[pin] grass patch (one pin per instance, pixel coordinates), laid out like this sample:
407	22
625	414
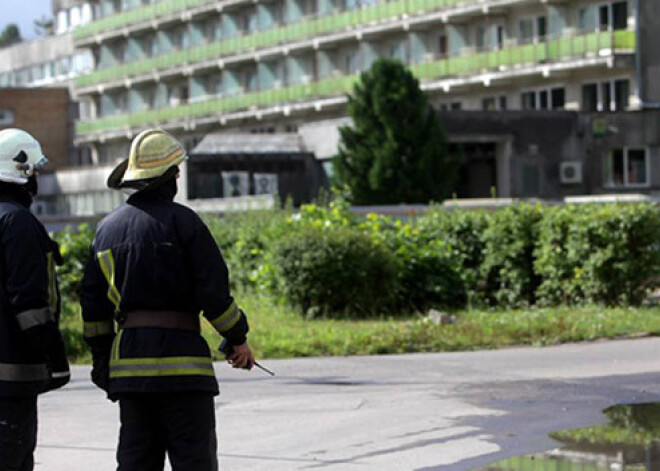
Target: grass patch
278	332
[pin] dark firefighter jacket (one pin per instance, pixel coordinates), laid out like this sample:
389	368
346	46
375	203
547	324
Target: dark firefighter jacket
29	298
152	254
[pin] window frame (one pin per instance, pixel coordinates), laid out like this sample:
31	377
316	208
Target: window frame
607	168
611	85
538	98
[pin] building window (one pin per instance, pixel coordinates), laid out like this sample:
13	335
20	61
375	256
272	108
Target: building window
494	103
612	95
351	63
613	16
454	106
489	104
443	47
558	98
500	36
620	15
251	81
541	27
526	31
549	99
532	29
621	94
62	23
178	95
86	15
6	117
481	38
627	167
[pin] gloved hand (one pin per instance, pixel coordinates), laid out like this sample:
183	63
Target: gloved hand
58	378
58	366
101	373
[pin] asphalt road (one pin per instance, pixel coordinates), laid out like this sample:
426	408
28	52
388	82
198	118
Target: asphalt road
451	411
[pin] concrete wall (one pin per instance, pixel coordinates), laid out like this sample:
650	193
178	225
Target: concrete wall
44	113
35	52
648	51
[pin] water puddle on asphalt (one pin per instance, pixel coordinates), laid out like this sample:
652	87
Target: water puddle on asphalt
630	441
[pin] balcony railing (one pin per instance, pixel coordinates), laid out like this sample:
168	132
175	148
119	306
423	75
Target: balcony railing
304	29
136	16
562	49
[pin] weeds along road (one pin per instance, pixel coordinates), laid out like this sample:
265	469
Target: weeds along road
449	411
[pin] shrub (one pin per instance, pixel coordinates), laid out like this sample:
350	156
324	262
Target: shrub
557	262
75	245
508	265
245	240
429	272
615	250
463	231
336	272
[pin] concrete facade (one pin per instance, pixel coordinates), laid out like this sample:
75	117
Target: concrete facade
648	58
532	150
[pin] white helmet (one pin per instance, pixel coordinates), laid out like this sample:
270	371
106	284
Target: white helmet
20	156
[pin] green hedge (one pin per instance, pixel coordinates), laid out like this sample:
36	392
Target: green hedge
326	261
607	254
340	271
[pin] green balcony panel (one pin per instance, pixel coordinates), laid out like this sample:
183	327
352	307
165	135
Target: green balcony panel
135	16
624	40
554	50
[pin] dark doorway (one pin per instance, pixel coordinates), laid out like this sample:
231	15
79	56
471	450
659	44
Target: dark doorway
478	174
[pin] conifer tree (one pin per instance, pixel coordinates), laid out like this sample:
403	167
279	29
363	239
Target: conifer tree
395	151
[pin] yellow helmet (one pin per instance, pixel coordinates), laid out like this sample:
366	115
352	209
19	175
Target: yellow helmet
153	153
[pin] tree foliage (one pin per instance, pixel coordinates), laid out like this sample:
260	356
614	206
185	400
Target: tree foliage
396	149
10	35
44	26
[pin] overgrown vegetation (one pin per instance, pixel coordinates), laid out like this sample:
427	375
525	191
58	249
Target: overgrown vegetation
514	276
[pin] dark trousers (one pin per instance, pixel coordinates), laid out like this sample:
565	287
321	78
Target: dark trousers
181	425
18	433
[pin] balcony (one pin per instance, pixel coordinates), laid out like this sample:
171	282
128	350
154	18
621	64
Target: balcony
556	51
302	30
136	16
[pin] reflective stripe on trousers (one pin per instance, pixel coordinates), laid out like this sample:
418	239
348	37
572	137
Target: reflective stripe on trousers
34	317
95	329
166	366
16	372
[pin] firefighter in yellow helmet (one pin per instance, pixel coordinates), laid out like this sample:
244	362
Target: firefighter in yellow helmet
32	358
153	268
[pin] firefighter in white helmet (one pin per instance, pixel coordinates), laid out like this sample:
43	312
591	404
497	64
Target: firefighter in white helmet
153	268
32	358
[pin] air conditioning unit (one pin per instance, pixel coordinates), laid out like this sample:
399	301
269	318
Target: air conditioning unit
265	184
570	172
235	184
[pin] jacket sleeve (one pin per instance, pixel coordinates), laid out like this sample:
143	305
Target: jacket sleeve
97	310
212	287
30	286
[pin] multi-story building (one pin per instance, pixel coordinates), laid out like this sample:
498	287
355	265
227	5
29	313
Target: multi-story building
544	97
51	61
36	85
205	66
